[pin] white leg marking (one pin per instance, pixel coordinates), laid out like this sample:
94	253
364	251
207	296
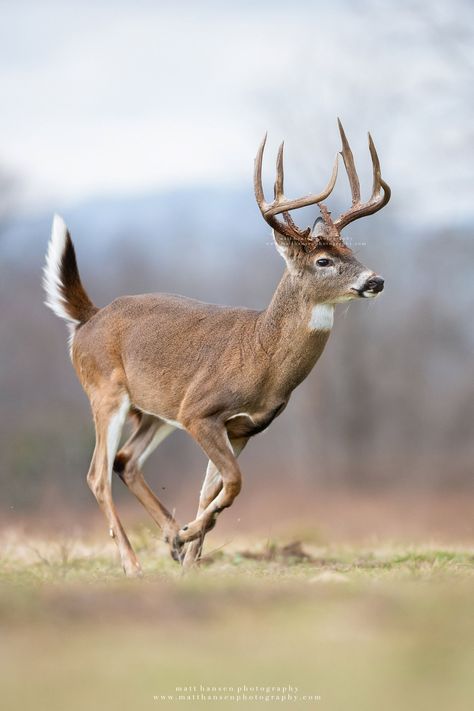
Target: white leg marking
114	431
212	475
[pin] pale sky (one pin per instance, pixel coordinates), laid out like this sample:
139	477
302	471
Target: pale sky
115	97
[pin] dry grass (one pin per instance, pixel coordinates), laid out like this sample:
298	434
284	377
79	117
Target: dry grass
364	627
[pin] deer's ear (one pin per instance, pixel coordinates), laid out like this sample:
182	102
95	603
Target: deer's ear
280	240
286	248
318	227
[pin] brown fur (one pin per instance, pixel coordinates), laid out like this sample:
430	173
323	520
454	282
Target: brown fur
78	304
221	373
200	365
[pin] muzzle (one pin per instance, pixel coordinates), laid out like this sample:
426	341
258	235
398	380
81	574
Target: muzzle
374	285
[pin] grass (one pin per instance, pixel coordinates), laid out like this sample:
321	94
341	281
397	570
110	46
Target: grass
355	627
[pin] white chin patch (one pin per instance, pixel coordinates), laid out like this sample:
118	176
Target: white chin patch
369	294
346	297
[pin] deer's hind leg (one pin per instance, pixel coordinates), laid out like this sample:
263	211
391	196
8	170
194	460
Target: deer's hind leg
150	432
109	416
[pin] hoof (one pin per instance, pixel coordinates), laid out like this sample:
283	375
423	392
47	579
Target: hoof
176	549
132	569
170	531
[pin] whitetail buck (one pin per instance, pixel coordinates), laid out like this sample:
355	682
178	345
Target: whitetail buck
220	373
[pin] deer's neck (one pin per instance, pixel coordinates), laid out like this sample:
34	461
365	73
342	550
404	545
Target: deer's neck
293	331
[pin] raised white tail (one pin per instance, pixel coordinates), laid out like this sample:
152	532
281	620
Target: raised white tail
65	294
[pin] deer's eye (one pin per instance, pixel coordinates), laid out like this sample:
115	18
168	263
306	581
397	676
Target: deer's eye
323	262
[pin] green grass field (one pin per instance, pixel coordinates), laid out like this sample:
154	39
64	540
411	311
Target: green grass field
262	623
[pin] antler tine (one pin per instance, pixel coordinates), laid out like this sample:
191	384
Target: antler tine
349	164
257	176
288	229
378	181
278	189
376	201
375	168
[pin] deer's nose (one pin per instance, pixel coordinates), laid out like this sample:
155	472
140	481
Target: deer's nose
374	284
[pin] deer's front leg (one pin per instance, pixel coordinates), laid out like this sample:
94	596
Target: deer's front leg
212	436
210	489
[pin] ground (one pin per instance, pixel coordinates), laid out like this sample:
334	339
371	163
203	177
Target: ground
365	626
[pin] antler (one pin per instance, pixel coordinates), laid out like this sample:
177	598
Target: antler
376	201
281	205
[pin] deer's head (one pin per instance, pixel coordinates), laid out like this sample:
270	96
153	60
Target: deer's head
328	269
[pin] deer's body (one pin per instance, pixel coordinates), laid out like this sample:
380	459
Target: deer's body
161	349
221	373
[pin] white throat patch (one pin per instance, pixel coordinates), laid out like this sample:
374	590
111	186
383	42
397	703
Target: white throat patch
322	317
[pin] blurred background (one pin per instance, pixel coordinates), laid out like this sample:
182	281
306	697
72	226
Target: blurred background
139	123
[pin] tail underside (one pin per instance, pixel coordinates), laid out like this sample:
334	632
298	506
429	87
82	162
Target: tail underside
65	294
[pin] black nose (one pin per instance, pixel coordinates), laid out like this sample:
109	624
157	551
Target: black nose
375	284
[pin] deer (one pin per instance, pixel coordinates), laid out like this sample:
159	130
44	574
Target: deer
221	373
